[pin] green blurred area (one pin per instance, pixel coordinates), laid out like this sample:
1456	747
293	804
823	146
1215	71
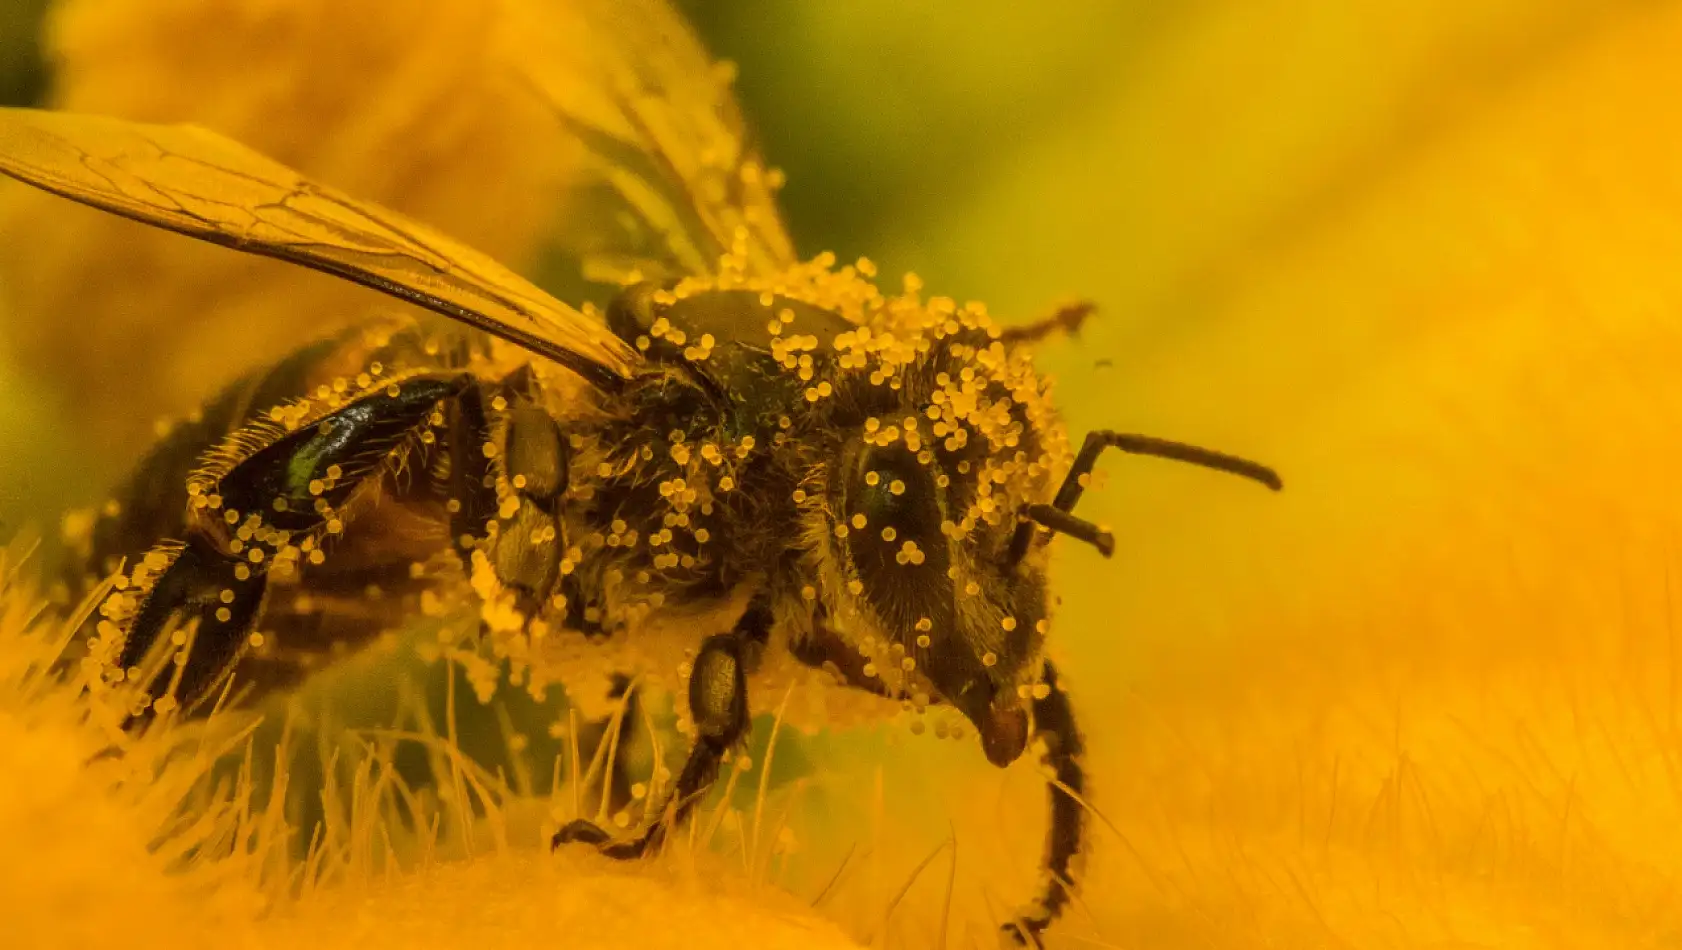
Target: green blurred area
22	74
885	113
35	456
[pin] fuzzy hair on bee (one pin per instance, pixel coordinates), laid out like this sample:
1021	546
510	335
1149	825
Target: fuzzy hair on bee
748	468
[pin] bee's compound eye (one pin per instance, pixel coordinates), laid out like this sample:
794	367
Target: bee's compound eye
889	515
892	498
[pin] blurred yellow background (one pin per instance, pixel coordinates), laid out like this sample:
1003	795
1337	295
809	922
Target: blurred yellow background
1420	256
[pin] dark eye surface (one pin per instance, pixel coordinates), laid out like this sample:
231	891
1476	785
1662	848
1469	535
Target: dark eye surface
893	514
892	488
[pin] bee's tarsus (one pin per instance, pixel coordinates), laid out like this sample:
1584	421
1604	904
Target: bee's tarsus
579	831
584	831
718	705
200	584
1024	933
1054	721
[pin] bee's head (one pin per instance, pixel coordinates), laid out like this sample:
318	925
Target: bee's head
943	611
921	503
949	478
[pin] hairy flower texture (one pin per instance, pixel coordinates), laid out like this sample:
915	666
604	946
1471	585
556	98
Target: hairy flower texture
413	105
1422	258
91	846
151	846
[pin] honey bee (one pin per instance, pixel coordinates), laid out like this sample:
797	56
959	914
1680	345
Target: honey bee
862	482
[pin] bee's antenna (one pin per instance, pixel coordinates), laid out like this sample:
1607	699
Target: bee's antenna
1062	522
1056	516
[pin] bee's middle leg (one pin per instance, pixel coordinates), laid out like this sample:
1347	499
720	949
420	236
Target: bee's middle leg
718	705
525	552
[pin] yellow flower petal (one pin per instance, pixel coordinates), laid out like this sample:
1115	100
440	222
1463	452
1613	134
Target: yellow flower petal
99	849
410	105
1424	697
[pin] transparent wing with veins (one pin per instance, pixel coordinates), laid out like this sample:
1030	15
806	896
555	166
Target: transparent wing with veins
191	181
669	147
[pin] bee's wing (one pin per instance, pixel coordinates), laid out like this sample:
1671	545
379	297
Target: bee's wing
667	144
192	181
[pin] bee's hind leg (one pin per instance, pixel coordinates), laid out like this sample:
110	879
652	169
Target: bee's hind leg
718	704
197	583
276	500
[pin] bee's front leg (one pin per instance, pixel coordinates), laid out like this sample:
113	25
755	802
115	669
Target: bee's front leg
1054	723
718	704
